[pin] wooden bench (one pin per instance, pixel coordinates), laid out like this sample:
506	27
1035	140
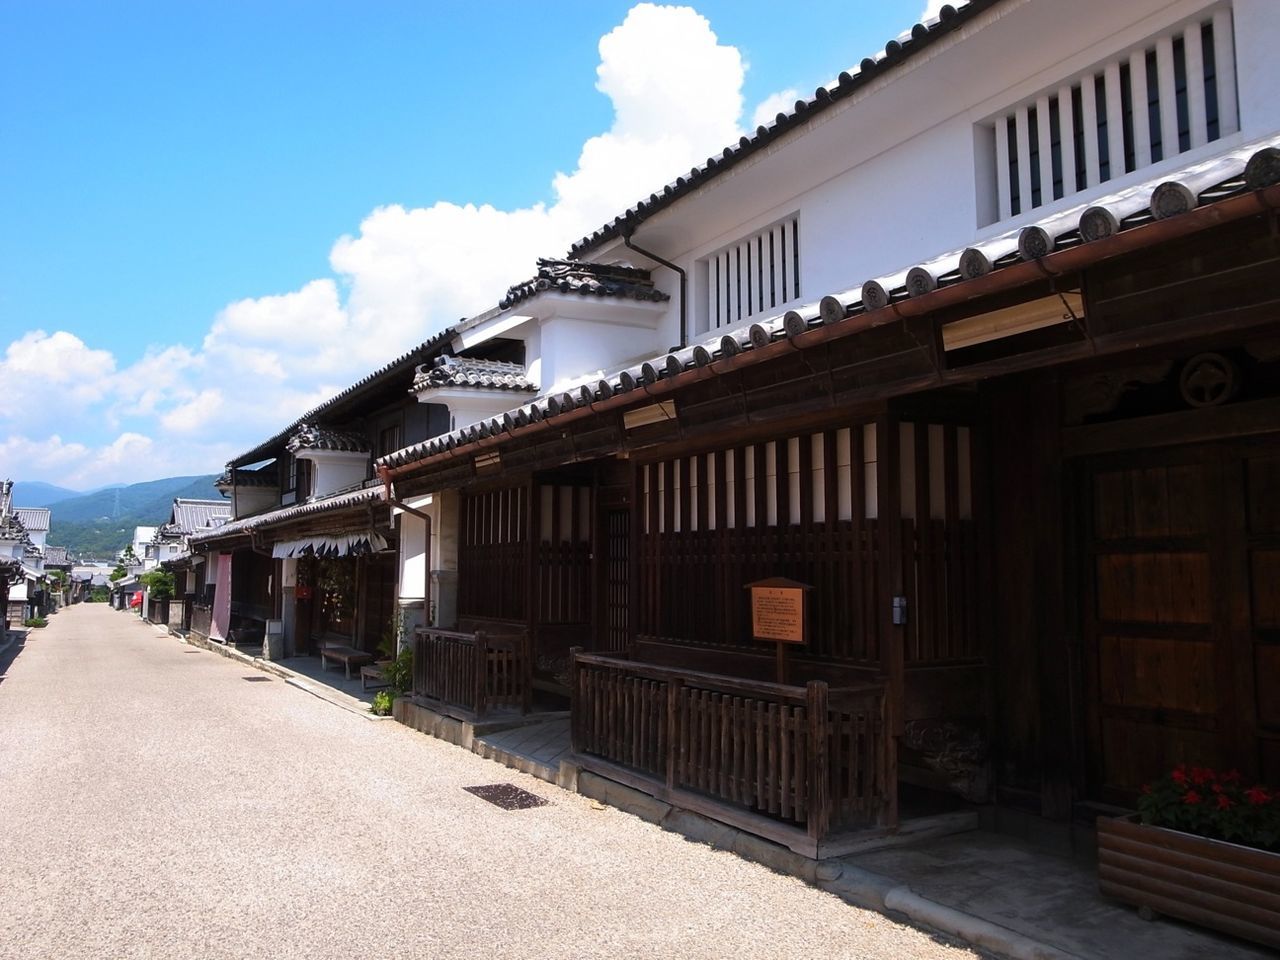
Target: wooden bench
371	676
347	656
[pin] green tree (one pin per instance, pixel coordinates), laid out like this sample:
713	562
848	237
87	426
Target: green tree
159	584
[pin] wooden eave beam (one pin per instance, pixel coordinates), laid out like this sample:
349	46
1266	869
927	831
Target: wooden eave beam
1059	263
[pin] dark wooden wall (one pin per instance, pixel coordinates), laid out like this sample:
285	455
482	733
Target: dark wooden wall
1032	662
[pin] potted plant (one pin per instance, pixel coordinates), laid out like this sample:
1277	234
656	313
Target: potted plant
1204	847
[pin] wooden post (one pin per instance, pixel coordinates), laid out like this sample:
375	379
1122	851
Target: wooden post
482	672
675	687
782	662
893	635
525	647
575	702
816	706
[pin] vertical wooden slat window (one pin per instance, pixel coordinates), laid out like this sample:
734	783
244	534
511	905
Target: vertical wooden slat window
756	275
806	507
1176	92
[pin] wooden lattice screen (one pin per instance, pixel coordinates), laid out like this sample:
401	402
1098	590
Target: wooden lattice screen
806	507
493	554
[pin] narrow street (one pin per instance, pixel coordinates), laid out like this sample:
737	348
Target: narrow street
157	800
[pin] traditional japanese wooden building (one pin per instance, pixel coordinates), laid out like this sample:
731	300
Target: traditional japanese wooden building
1028	482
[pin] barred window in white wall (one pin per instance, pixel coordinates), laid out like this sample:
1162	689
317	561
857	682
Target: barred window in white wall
1169	95
756	275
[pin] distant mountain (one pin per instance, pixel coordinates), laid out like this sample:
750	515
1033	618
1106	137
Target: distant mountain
34	493
99	524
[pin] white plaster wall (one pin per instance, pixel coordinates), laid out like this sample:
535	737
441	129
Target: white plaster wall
1257	24
887	180
573	348
414	556
336	471
249	500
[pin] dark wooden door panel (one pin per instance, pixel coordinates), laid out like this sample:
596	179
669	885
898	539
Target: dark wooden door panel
1182	612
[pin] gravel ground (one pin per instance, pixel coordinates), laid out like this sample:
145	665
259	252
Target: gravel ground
155	804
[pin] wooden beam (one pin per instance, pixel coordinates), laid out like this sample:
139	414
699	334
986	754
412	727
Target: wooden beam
1172	429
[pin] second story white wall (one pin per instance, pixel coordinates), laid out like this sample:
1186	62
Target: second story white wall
904	170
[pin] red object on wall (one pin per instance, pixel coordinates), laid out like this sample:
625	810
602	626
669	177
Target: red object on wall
137	599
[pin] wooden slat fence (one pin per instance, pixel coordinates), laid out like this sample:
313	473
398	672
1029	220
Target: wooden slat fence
473	672
201	619
809	757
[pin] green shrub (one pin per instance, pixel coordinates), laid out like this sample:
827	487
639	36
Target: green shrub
399	672
35	622
159	584
382	701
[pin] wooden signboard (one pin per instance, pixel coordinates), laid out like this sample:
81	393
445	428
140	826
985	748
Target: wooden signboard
778	615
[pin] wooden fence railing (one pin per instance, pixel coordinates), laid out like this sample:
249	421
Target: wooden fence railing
472	672
796	764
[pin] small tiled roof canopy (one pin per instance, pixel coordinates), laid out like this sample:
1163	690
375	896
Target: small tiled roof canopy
585	279
449	371
33	518
56	557
263	477
12	528
312	436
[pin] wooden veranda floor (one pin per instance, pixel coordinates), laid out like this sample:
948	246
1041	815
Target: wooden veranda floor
541	744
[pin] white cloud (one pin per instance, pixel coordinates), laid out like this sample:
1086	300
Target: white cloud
768	109
406	273
45	376
195	413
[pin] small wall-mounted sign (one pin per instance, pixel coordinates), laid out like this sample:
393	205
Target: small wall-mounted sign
778	610
778	615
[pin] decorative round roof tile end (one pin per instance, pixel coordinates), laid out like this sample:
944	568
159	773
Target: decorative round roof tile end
1263	169
974	263
920	281
831	309
793	323
1034	242
874	295
1098	223
759	336
1170	199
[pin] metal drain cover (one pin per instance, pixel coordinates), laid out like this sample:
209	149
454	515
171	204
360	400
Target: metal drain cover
507	796
257	679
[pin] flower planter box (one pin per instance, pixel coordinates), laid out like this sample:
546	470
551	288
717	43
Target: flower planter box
1216	884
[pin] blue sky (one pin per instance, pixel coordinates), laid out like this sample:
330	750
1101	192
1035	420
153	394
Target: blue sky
177	180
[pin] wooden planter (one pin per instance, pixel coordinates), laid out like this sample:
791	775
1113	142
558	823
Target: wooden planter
1216	884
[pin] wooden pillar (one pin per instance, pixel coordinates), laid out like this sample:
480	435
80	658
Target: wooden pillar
816	709
575	702
482	673
893	636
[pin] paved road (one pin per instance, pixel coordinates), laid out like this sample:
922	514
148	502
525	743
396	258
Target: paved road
154	803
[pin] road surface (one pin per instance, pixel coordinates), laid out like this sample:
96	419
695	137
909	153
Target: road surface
158	800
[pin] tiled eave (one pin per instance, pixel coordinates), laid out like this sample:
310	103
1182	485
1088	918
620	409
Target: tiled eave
1233	185
334	503
403	364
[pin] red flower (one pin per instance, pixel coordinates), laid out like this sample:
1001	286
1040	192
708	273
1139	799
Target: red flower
1231	776
1192	798
1257	796
1201	775
1179	774
1224	802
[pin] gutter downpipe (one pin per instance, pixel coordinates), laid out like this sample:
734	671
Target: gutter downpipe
684	283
